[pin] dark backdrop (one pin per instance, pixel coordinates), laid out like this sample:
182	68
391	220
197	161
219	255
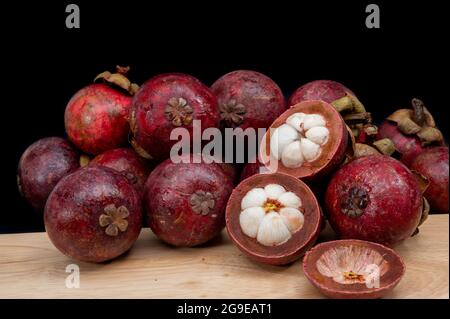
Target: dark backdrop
289	41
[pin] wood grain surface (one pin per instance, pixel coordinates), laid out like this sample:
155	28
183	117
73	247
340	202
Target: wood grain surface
30	267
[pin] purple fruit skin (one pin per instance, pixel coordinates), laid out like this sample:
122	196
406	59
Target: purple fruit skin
74	207
261	96
127	162
394	201
167	203
41	167
433	164
325	90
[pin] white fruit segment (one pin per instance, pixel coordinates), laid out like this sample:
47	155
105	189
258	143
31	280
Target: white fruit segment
310	150
273	191
283	136
292	155
272	230
254	198
250	219
289	199
292	218
271	214
299	140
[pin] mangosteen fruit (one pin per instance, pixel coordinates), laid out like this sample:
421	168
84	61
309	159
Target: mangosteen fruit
273	218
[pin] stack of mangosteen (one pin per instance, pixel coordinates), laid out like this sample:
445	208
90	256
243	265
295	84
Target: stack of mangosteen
321	159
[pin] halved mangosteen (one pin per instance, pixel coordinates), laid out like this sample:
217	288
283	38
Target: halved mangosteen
307	141
273	218
353	269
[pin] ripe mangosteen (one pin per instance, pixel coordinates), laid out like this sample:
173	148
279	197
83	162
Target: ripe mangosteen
166	102
248	99
96	117
374	198
185	202
41	167
307	141
273	218
126	161
93	214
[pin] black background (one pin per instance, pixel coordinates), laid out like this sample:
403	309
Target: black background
289	41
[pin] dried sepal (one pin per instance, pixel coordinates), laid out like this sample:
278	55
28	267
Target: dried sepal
348	103
364	150
84	160
139	150
425	211
357	118
385	146
422	181
417	121
118	79
429	135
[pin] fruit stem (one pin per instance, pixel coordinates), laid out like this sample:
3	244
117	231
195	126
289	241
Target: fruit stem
419	111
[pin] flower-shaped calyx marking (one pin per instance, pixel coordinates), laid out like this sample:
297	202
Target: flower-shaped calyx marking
355	202
202	202
114	219
178	111
232	112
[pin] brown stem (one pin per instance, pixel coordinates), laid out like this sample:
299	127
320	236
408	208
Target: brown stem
419	111
122	69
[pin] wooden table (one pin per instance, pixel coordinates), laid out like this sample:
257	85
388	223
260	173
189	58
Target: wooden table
30	267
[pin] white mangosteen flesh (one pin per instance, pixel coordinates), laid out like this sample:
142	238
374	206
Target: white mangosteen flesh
271	214
300	139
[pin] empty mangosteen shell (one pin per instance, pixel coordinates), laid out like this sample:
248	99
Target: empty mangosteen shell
333	152
333	289
300	241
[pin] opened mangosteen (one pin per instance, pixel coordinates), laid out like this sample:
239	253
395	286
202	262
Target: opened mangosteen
41	167
185	202
248	99
93	214
126	161
164	103
273	218
353	269
307	141
96	117
375	198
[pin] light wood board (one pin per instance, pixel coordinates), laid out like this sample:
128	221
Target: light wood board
30	267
